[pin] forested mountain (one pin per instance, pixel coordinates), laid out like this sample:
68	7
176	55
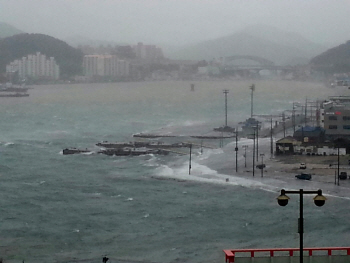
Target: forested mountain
7	30
334	60
15	47
281	47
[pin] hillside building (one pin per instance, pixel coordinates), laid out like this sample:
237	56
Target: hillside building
35	66
148	52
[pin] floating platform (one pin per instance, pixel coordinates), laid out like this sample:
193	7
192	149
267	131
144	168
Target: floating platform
225	129
149	135
74	151
133	151
149	144
15	95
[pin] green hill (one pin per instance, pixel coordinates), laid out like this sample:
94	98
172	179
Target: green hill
7	30
15	47
334	60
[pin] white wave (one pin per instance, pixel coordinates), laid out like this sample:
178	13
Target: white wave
192	123
88	153
8	143
209	152
202	173
152	162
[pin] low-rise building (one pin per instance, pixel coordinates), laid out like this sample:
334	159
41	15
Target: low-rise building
335	117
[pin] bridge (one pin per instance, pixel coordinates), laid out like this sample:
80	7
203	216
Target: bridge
252	70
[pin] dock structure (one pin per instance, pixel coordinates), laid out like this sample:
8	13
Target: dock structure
290	255
201	145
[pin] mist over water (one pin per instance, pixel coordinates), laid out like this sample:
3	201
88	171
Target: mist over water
59	208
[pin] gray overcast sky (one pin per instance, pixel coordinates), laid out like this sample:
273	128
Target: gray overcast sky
176	21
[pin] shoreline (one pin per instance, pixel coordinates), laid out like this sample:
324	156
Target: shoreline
280	171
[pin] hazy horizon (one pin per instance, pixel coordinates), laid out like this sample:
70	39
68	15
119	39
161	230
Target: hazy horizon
176	22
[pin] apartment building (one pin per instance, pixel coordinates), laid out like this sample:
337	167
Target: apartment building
35	66
105	65
148	52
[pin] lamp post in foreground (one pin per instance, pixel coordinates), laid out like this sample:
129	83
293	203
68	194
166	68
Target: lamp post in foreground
319	200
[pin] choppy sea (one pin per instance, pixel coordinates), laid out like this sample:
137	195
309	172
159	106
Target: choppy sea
79	208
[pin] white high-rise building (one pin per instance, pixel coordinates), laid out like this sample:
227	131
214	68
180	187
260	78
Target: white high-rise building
36	66
105	65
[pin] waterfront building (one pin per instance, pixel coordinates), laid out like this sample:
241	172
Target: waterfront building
105	65
35	66
335	117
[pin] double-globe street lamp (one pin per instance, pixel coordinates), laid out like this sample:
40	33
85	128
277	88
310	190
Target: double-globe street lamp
319	200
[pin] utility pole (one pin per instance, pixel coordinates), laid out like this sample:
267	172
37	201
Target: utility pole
225	92
284	125
252	88
189	166
245	155
254	154
293	117
236	149
262	164
271	139
257	142
306	112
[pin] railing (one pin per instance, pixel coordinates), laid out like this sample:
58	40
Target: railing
231	254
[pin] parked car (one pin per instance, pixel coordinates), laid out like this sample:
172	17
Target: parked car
302	166
343	175
261	166
303	176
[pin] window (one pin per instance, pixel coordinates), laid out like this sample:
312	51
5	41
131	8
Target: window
332	118
346	127
346	118
333	127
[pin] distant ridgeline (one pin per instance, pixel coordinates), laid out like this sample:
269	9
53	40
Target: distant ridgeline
334	60
15	47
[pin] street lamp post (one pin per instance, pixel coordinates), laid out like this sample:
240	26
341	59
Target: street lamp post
338	165
319	200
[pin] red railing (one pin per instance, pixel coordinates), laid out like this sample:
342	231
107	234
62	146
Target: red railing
230	253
